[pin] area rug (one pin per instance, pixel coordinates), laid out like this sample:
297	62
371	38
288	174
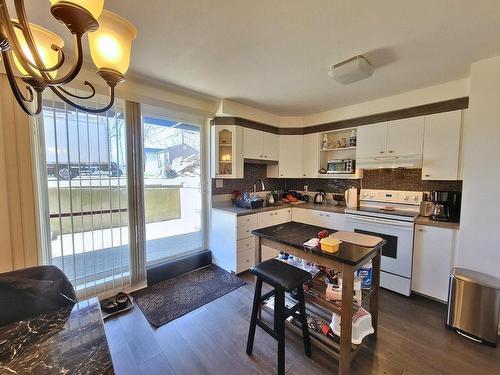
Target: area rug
170	299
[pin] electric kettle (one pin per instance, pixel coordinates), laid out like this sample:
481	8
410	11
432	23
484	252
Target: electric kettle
351	197
320	197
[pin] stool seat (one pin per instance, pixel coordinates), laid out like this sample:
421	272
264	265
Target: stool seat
278	274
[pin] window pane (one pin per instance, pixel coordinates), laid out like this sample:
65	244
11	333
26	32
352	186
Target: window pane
172	176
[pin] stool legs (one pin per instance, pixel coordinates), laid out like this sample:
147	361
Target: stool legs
279	321
303	318
253	319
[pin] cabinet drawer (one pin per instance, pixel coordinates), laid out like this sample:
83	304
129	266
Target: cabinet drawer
247	220
245	231
245	260
245	244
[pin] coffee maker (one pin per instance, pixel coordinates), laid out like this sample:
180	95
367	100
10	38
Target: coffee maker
446	206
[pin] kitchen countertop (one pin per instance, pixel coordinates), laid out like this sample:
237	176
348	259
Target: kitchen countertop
295	234
422	220
70	340
330	207
238	211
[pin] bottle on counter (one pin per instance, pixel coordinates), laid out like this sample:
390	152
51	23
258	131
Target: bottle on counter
366	273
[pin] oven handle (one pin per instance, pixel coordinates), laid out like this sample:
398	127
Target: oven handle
380	221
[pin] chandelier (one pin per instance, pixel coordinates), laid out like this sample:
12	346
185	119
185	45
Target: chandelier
36	55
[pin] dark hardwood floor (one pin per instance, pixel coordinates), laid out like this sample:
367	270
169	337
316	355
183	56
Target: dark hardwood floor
211	340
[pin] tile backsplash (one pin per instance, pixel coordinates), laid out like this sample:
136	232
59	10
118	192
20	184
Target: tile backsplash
388	179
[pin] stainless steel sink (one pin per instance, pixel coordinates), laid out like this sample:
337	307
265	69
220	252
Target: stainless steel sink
250	204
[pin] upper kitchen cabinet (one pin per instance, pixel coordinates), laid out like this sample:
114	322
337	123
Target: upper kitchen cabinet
442	146
227	151
310	155
371	141
391	144
259	145
405	137
290	158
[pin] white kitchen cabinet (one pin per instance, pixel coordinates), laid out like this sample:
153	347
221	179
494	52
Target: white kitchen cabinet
310	155
290	158
260	145
271	146
231	240
405	136
392	144
275	217
442	146
371	140
253	144
226	151
326	219
433	253
301	215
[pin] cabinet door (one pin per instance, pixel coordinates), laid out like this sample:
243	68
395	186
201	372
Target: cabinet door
301	215
371	140
441	146
334	220
271	146
253	147
310	155
268	253
405	137
282	216
290	156
265	219
318	218
432	256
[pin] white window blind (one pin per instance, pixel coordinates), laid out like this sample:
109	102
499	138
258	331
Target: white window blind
86	165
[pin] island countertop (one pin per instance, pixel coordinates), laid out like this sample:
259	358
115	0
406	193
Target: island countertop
70	340
295	234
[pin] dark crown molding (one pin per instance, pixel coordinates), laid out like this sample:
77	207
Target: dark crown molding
421	110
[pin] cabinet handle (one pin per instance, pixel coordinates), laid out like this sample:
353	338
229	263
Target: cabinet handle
265	156
281	174
382	152
421	230
391	151
304	175
248	244
427	175
261	156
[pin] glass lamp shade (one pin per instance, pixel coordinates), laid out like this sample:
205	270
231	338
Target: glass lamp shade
44	39
111	44
94	7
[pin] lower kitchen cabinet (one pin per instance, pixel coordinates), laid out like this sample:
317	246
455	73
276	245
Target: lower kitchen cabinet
327	219
301	215
433	254
270	218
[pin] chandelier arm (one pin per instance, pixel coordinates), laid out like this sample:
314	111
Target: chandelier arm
7	26
56	90
60	61
83	97
20	98
46	79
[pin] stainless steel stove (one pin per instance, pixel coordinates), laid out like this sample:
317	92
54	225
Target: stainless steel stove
389	214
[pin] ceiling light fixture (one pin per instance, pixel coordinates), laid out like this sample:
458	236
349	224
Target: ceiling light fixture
37	54
351	70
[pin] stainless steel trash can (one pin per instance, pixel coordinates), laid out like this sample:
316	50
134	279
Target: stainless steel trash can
474	305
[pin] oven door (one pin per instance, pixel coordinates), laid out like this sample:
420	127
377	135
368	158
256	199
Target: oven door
397	254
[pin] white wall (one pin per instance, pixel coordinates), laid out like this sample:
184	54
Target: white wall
479	239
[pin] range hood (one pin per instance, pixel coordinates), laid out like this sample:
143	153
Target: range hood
393	161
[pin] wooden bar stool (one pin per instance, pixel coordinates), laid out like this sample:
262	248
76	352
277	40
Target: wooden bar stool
283	278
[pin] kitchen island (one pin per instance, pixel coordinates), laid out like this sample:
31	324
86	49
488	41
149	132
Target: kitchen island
70	340
289	237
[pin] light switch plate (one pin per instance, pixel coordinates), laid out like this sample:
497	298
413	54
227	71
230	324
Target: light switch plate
219	184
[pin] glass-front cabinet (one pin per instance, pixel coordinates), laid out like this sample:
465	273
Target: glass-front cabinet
227	151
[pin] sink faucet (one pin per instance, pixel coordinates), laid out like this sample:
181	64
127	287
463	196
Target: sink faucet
255	188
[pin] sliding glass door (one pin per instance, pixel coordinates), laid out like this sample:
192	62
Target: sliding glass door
172	187
86	192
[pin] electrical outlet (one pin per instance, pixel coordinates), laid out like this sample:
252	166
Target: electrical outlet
219	184
306	188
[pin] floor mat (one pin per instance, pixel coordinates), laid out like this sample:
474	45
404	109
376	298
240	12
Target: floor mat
170	299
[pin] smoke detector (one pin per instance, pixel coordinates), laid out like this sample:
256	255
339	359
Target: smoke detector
351	70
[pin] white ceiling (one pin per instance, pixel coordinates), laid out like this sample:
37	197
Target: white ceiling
275	54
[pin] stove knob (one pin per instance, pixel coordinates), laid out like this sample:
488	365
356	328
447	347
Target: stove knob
407	197
415	198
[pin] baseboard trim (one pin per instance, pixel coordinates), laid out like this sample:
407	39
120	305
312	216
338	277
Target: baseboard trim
172	268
